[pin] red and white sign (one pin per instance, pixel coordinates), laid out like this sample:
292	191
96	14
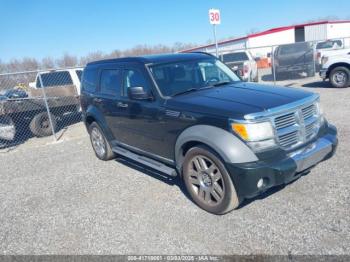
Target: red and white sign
214	16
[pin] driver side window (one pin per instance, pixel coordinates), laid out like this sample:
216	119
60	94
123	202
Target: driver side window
133	78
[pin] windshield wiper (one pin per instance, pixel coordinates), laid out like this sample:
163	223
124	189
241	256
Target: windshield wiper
186	91
191	90
222	83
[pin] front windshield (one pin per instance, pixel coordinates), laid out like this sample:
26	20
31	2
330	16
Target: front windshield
179	77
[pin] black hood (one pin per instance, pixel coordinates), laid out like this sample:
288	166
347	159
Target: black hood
237	99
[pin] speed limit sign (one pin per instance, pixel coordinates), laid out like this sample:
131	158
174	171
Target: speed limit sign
214	16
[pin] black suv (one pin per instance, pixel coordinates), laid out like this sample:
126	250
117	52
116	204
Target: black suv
190	115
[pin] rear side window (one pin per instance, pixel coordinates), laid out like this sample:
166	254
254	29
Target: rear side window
89	80
110	82
56	79
79	73
295	48
233	57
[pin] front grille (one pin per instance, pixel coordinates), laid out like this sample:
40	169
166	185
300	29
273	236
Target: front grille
309	111
285	120
288	139
297	127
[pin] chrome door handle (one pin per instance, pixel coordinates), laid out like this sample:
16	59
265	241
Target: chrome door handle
121	104
97	100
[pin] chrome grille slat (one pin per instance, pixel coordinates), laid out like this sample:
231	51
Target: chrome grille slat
285	120
309	111
296	127
288	139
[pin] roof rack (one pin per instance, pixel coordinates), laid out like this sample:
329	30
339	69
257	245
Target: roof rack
202	52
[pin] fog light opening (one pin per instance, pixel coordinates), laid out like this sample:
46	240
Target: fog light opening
262	182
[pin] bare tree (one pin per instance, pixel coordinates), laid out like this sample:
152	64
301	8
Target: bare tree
98	55
67	61
47	63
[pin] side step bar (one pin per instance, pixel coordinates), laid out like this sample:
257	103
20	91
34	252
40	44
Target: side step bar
145	161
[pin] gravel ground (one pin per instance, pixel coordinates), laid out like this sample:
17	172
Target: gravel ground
57	198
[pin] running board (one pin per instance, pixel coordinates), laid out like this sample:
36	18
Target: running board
145	161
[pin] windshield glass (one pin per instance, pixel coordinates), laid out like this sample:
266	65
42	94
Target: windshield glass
179	77
234	57
329	44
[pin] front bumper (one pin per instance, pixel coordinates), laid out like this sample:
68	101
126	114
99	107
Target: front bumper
274	172
294	68
323	73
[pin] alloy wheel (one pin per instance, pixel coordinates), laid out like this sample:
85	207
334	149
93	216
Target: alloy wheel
206	180
98	142
340	78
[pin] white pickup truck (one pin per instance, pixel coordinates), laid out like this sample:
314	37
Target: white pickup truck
336	67
62	77
243	63
326	47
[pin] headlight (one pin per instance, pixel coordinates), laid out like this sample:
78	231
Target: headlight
253	131
324	60
259	136
320	113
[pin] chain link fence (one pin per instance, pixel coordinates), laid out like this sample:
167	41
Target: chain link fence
281	62
45	103
38	104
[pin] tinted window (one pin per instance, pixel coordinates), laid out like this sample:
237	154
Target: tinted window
89	80
56	79
329	44
134	78
79	73
110	82
233	57
175	78
295	48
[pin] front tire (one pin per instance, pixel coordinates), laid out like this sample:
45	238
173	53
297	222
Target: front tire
99	143
208	182
340	77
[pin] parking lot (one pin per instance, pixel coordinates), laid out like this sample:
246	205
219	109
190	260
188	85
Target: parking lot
57	198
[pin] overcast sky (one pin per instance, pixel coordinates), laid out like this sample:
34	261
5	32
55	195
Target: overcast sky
40	28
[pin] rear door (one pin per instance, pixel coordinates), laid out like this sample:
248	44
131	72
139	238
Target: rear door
108	97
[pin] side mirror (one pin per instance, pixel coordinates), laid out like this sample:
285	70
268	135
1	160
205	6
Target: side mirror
257	59
138	93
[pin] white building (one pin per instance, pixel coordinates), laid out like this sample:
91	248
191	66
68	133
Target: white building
260	43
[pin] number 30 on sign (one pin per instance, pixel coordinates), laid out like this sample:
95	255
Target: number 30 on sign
214	16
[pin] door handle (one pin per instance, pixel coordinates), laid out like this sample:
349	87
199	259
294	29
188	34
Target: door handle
97	100
121	104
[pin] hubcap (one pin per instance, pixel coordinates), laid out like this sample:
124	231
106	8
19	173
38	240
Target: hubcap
45	123
206	180
98	142
339	78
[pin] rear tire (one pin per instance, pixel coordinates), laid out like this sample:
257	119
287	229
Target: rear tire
208	182
99	143
340	77
40	125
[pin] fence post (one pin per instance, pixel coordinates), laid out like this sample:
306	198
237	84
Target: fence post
273	66
314	56
47	107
